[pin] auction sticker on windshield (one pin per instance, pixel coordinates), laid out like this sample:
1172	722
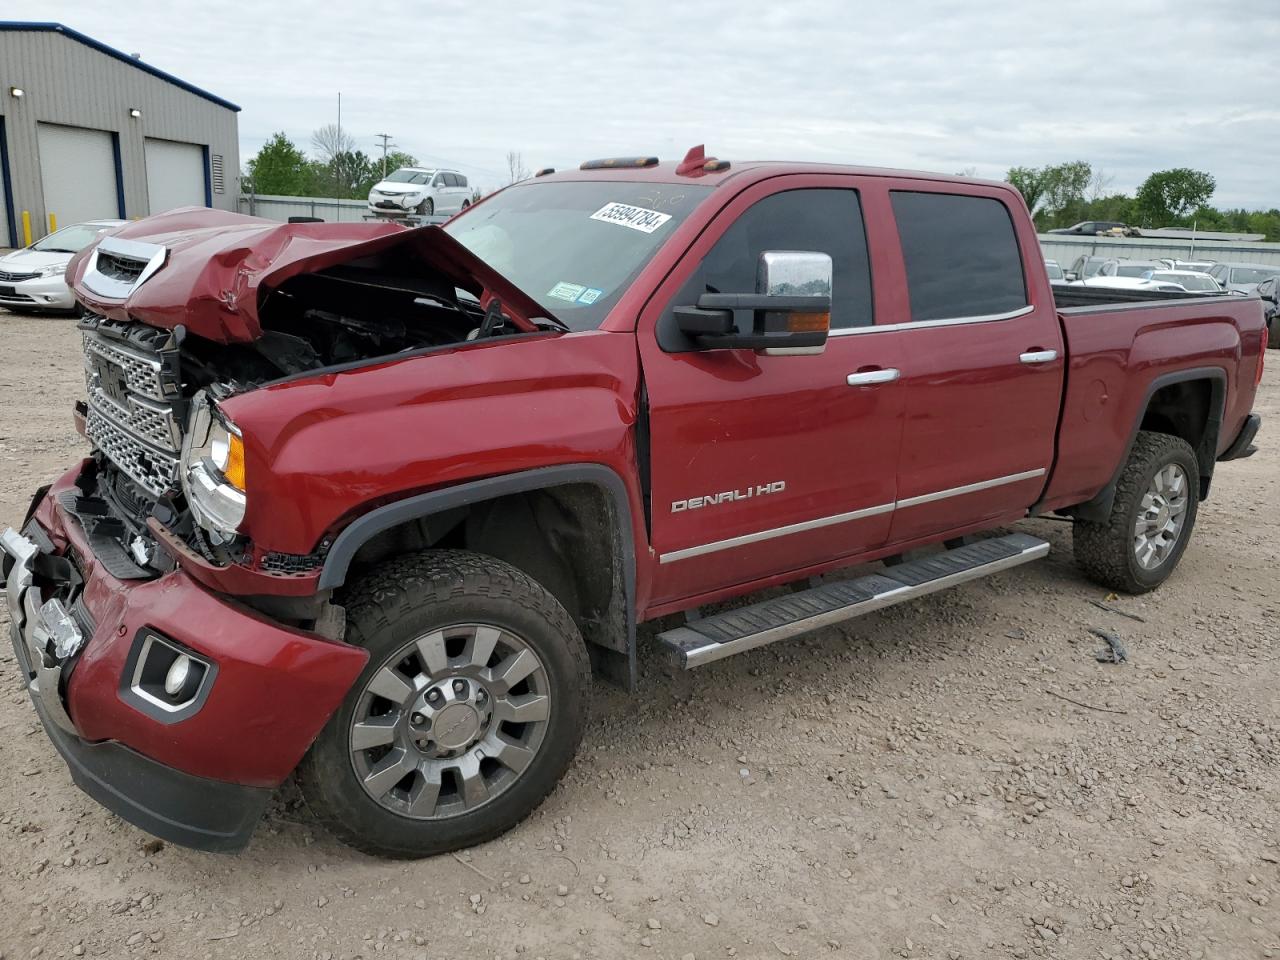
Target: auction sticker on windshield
637	218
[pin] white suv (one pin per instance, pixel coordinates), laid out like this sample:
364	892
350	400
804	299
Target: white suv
422	191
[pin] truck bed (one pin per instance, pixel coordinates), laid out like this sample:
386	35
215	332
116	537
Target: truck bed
1076	295
1122	346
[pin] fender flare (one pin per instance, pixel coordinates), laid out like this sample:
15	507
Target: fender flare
363	528
1098	508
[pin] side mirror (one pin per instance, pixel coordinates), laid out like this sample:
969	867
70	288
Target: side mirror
1072	275
790	310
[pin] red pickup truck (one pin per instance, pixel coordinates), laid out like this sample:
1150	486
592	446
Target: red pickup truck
376	504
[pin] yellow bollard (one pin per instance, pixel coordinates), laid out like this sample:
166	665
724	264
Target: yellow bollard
26	228
53	223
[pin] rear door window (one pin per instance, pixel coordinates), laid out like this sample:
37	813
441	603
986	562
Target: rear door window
961	255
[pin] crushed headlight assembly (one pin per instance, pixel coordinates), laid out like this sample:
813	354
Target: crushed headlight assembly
213	471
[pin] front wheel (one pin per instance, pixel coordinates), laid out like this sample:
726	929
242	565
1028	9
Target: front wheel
468	713
1138	546
427	207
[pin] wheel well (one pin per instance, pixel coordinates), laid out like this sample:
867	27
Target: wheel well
567	537
1187	409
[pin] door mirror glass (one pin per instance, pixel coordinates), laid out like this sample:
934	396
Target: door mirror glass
790	312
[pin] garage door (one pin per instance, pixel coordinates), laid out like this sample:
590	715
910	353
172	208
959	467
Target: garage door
175	175
78	173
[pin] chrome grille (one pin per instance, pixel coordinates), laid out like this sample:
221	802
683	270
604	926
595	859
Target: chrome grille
16	277
153	470
142	373
128	419
154	423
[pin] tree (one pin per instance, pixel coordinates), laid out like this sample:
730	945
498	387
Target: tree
279	168
1064	187
1054	192
516	170
1169	195
395	160
1029	182
354	174
331	140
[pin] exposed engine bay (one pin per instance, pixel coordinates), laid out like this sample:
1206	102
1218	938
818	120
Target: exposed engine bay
148	385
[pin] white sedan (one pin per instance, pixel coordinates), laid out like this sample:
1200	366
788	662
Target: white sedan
31	279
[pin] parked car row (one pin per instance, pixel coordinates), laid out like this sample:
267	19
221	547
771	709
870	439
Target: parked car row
1191	276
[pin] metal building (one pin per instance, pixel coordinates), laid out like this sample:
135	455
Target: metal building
88	132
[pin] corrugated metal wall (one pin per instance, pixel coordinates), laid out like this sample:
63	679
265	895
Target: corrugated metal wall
68	82
1065	249
282	208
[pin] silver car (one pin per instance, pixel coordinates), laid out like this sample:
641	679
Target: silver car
1243	277
31	278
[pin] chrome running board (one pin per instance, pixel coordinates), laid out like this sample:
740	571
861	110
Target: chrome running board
736	631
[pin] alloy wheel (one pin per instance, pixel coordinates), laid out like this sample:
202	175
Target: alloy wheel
450	721
1161	516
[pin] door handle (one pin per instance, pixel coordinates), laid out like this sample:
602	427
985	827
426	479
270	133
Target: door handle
1039	356
868	377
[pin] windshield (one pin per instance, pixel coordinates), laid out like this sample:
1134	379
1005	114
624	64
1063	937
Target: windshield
69	240
1092	266
575	246
1055	271
1186	281
1252	274
1132	269
408	176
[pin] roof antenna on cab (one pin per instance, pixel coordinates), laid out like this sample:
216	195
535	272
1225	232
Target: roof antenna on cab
692	163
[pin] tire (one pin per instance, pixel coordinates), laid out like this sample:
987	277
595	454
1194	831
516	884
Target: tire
427	207
1110	552
462	597
1273	338
465	204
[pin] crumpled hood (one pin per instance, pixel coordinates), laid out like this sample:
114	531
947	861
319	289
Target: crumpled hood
218	265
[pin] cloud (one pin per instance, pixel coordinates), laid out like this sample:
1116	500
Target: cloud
938	85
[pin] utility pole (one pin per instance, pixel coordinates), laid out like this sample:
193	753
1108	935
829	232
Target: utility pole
384	137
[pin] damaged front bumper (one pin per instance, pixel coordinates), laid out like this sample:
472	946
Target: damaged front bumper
197	771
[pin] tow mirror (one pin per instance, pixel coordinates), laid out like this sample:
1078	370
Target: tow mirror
790	311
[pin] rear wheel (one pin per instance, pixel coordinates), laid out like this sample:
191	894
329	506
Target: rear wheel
468	713
1139	545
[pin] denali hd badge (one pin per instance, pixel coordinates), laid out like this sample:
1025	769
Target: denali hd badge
728	496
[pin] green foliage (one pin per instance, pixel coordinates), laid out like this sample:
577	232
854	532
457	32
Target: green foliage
1060	195
1029	182
1053	190
1169	195
395	160
279	168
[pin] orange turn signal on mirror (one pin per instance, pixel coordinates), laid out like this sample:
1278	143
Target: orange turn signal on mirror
808	322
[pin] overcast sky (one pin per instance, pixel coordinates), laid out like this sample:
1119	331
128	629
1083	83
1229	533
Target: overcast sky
1129	85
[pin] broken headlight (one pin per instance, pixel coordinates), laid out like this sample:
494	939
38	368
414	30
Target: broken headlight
213	474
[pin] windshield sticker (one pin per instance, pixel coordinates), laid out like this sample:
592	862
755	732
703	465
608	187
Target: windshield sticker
637	218
567	291
590	295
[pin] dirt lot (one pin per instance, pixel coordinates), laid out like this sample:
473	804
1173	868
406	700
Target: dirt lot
917	784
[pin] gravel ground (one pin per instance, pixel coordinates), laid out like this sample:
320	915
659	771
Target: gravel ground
915	784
